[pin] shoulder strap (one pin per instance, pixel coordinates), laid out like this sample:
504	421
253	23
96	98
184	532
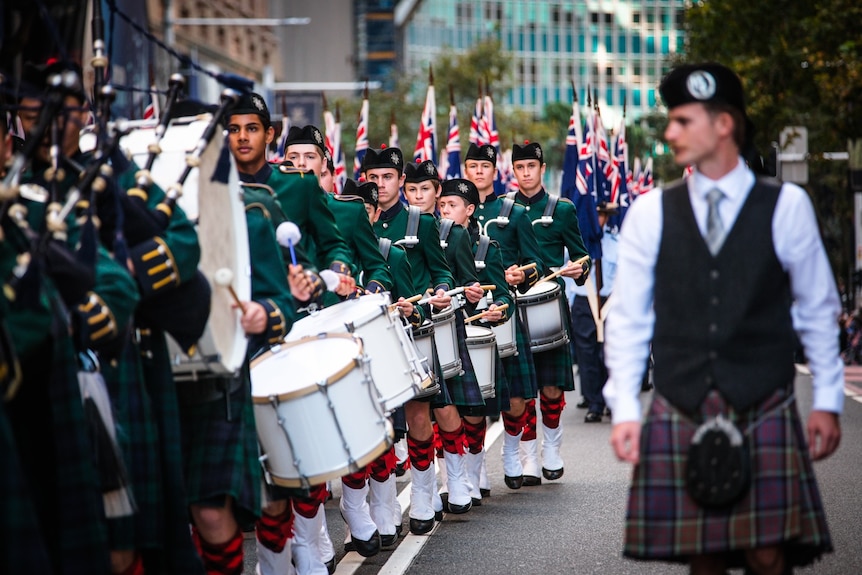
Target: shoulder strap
548	214
384	245
506	206
445	229
413	215
511	196
482	252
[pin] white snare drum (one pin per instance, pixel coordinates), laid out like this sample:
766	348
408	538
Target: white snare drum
505	334
383	338
219	212
481	343
423	343
446	341
316	410
542	309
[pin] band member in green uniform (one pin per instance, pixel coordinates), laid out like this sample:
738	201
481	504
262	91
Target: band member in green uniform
556	228
422	188
458	200
420	236
507	223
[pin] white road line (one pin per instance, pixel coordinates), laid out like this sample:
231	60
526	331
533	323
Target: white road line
410	546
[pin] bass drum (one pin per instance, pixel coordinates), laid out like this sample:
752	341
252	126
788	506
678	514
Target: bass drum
218	211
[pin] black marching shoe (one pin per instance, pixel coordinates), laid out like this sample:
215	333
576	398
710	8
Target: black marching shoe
457	509
552	474
399	470
330	566
421	526
583	404
476	502
513	482
531	481
593	417
368	548
388	541
484	492
438	516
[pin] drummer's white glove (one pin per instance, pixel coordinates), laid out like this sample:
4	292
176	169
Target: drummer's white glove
254	320
474	293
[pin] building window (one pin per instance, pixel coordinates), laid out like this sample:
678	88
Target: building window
594	17
609	73
650	45
595	44
636	17
680	18
636	44
650	17
651	98
582	43
622	96
609	18
636	70
609	45
621	44
636	97
665	45
609	97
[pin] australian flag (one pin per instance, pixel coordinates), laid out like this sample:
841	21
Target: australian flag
361	139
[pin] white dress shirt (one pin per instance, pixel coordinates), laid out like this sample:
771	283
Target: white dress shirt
799	249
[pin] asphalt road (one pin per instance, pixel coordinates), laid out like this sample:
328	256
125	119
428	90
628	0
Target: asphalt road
575	524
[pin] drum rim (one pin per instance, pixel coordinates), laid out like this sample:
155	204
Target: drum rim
527	297
354	362
448	312
339	323
321	478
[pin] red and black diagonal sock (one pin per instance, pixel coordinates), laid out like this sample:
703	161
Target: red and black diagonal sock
136	568
420	453
530	422
552	409
381	468
273	531
475	435
454	441
514	425
355	480
438	443
308	506
221	558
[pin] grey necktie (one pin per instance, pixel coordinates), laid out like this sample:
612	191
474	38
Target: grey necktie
714	227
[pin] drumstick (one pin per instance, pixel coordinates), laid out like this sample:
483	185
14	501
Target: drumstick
479	315
563	269
224	277
450	293
287	234
526	267
489	287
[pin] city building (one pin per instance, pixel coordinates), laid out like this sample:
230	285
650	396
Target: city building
619	48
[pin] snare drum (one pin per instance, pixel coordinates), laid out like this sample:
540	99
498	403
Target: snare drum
505	334
316	410
481	343
383	338
542	308
446	341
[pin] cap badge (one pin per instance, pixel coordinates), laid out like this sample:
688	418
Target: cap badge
462	187
701	85
374	195
429	169
258	103
394	158
317	137
489	151
539	153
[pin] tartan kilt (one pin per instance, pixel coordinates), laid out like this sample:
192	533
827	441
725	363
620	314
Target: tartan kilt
443	397
138	438
221	456
519	368
24	549
464	388
554	366
178	553
783	505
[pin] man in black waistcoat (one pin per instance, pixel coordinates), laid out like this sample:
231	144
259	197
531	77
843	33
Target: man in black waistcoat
708	271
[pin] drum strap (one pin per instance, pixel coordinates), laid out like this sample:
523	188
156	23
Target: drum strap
548	214
511	196
445	229
413	215
384	245
505	210
482	251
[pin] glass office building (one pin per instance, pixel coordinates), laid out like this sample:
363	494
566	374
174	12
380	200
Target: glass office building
617	47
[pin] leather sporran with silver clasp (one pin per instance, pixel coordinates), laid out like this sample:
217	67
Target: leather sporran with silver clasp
718	471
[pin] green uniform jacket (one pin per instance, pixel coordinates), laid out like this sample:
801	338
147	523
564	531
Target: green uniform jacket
427	260
264	195
402	282
352	221
304	204
517	240
459	256
269	286
562	233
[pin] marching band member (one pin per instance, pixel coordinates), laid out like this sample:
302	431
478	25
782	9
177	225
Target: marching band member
418	232
458	201
556	227
512	229
422	188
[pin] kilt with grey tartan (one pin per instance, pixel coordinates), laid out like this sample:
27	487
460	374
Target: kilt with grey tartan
782	507
220	455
